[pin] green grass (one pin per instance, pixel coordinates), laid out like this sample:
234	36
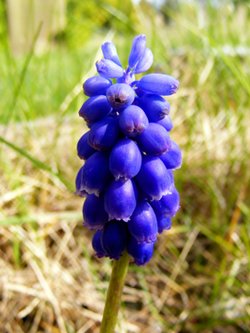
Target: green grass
198	280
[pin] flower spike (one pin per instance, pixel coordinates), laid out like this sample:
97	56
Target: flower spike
127	178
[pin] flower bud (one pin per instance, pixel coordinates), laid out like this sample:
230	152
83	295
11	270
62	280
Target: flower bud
120	95
96	85
94	109
97	244
94	214
114	238
109	52
154	140
137	50
164	223
155	106
160	84
109	69
133	121
143	223
94	174
79	184
104	134
153	178
125	159
84	150
120	199
173	157
168	205
141	252
166	122
145	62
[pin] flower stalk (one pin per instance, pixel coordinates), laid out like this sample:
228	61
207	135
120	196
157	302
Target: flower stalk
114	294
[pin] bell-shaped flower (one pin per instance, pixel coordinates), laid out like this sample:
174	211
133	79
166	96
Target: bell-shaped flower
133	121
143	223
104	134
120	95
94	174
79	184
154	140
173	157
155	106
164	223
141	252
166	122
84	150
97	244
125	159
94	214
120	199
114	238
153	178
94	109
160	84
168	205
96	85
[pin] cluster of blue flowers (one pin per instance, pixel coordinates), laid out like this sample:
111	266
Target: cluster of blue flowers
127	176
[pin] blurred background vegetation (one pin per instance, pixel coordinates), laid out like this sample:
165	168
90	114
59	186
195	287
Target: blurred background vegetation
198	279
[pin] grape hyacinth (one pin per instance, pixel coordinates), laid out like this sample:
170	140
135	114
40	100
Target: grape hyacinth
127	177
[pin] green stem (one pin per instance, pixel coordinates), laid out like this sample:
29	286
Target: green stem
113	300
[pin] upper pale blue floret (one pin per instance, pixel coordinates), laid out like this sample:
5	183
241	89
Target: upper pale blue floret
96	85
127	177
137	51
110	53
144	63
109	69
